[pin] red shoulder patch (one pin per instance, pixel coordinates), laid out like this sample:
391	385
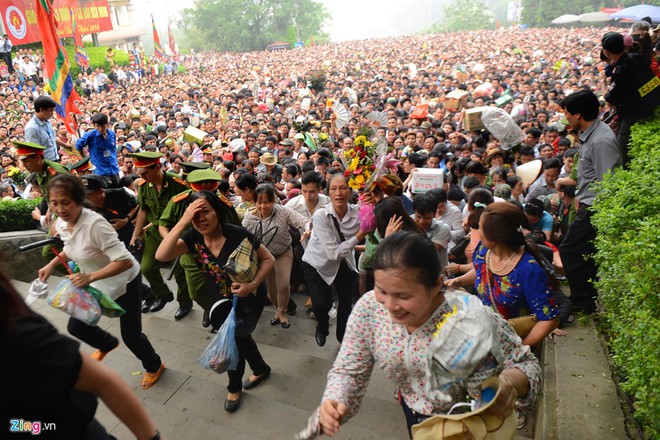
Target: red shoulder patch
51	171
142	182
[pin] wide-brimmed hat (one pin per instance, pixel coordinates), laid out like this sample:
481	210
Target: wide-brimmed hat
492	153
529	172
268	159
474	424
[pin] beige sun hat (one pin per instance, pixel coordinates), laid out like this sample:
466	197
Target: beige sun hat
476	424
529	172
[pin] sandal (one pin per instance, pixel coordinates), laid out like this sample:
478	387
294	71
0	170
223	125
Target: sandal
274	320
521	420
150	379
99	355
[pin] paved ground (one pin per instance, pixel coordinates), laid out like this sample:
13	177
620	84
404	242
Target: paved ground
187	402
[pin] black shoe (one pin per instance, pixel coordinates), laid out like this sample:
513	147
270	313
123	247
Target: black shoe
159	303
182	312
146	305
286	324
320	339
291	307
249	384
206	320
274	320
232	405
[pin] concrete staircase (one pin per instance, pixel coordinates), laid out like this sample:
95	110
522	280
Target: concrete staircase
187	402
579	398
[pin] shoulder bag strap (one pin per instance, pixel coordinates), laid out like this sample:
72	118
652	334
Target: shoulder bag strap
341	235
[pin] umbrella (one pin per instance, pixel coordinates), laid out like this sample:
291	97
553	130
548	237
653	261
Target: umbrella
565	19
595	17
638	12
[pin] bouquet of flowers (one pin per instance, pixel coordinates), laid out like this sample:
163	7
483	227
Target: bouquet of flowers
16	175
361	160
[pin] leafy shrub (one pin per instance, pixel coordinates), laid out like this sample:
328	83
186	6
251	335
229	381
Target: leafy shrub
17	215
96	58
627	221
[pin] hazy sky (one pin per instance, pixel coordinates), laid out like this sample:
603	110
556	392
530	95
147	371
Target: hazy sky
351	19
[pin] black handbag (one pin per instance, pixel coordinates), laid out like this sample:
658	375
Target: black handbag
457	253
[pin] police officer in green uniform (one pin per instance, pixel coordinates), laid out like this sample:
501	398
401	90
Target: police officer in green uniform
155	191
32	156
199	180
82	167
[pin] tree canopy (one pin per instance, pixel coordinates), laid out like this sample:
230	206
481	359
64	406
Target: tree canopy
246	25
465	15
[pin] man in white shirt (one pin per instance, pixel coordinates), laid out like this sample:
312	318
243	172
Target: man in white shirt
306	204
449	214
29	69
439	233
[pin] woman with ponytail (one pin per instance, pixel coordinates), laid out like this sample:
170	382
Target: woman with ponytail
507	275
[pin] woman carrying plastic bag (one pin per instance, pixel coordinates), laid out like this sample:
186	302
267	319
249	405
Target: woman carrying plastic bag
106	265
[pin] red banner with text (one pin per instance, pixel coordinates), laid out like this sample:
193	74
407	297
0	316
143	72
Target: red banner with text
20	20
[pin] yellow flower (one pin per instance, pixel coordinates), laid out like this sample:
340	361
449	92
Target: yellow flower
359	179
354	163
353	185
360	140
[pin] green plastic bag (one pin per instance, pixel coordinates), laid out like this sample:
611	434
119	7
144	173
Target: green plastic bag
108	305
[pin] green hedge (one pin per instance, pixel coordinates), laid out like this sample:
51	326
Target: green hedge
628	223
96	58
17	215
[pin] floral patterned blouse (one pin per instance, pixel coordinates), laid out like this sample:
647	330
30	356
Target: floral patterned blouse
523	291
218	282
372	339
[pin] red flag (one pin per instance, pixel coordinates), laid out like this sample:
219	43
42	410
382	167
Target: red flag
56	68
170	35
158	49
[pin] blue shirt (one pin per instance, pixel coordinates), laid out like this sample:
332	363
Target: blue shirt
545	223
523	291
102	151
41	132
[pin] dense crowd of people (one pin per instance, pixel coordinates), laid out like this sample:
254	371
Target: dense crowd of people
188	163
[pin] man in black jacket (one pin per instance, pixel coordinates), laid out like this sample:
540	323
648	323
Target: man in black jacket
635	90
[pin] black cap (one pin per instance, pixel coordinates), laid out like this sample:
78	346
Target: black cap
613	41
92	182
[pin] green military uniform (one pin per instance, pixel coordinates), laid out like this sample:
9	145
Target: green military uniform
42	178
50	170
153	203
195	279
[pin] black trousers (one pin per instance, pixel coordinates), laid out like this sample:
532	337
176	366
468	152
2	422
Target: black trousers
131	329
575	251
321	294
250	308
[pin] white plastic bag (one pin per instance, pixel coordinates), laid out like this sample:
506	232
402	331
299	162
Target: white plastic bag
37	289
501	125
